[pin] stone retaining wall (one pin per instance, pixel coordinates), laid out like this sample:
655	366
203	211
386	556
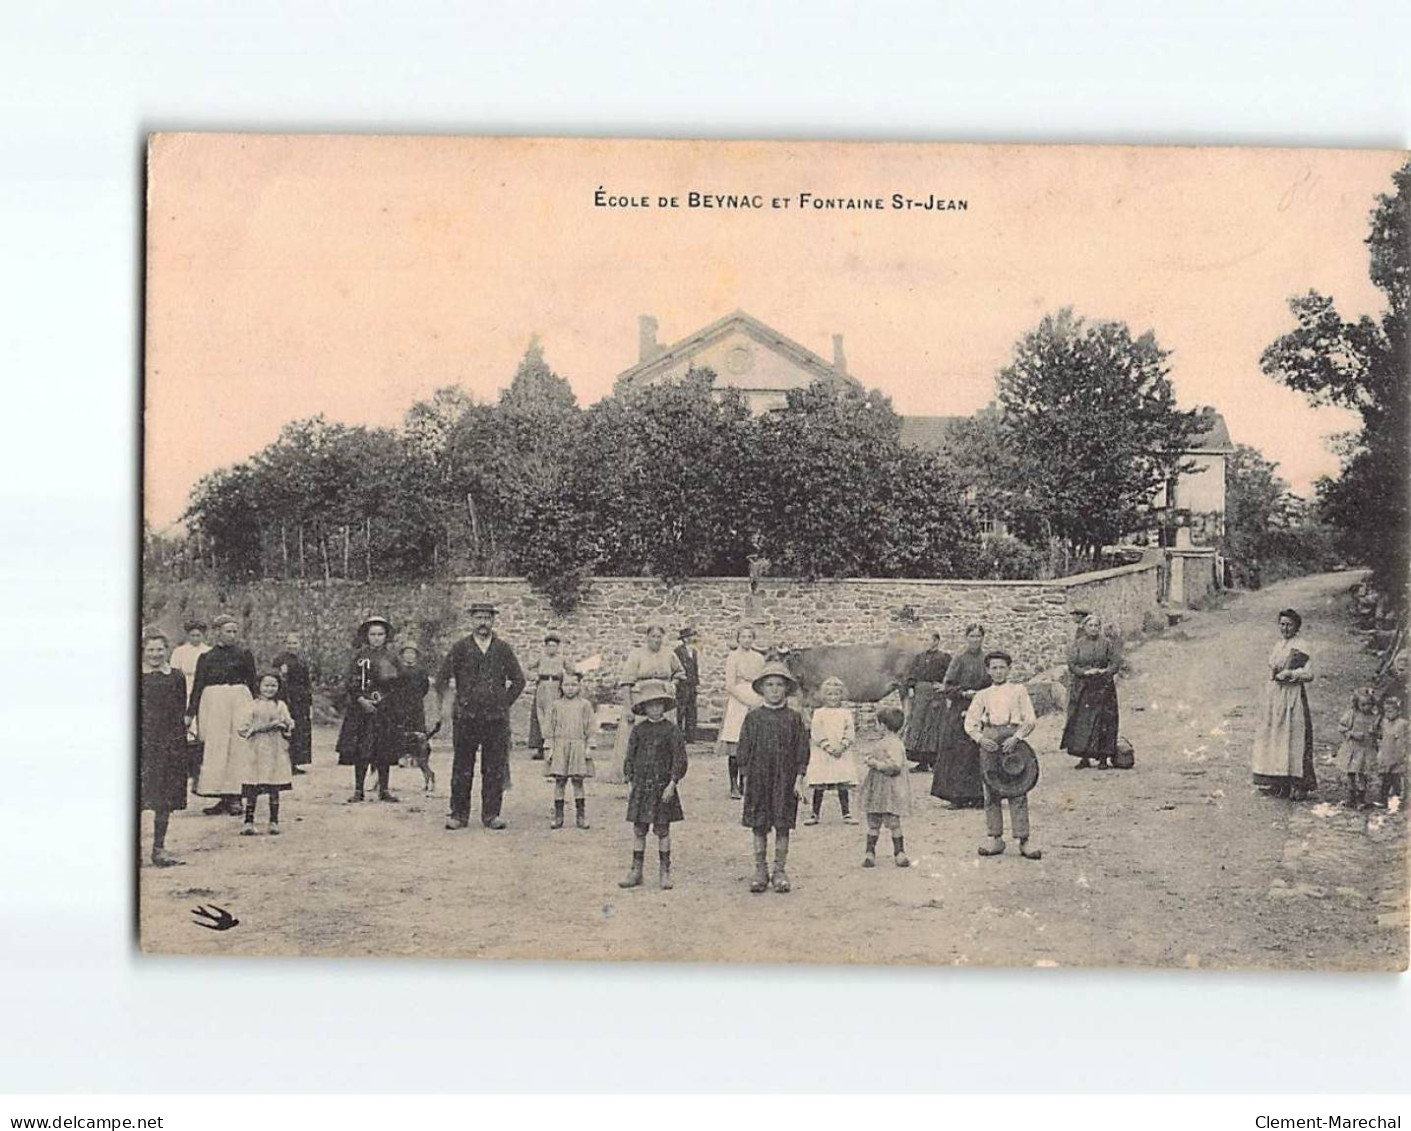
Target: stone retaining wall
1032	619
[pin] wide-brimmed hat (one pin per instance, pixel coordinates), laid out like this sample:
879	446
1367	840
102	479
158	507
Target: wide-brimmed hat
1013	774
482	606
779	668
651	691
361	635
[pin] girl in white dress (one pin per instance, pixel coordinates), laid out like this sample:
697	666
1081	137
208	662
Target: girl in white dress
742	668
832	736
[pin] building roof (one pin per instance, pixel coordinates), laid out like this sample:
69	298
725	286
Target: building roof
928	433
736	320
1216	438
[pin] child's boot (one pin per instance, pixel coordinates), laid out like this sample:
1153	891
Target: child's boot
781	877
634	876
1029	851
557	822
274	828
992	847
900	857
666	882
761	874
869	858
580	813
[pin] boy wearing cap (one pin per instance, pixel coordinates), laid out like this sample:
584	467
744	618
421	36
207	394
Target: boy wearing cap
999	718
488	679
686	689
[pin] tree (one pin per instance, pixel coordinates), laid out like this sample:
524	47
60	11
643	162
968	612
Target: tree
1092	419
1363	366
671	474
840	496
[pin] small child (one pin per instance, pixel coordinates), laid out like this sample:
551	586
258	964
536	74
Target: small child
406	703
886	790
1357	756
263	763
998	719
1392	748
654	766
773	754
163	758
570	740
832	734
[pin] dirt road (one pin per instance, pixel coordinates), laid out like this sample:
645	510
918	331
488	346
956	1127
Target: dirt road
1179	862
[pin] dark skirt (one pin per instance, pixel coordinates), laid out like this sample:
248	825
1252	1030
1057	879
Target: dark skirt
769	795
645	806
957	774
375	739
301	742
1091	730
926	723
164	771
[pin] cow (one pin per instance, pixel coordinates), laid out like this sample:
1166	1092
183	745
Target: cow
870	672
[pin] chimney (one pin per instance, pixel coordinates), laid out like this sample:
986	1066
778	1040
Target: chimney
840	359
647	345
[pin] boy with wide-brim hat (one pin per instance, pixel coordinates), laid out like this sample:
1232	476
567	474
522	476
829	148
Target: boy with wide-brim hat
654	766
999	718
773	753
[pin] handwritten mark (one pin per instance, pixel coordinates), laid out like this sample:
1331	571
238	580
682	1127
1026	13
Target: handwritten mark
214	918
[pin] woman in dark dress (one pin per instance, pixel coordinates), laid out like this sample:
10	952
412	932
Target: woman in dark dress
926	717
1093	661
370	734
297	691
221	694
957	776
163	750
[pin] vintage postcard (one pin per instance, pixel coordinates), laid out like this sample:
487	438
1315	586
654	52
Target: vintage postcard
774	552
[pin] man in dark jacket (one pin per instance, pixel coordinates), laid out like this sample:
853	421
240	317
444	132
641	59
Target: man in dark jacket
686	689
488	679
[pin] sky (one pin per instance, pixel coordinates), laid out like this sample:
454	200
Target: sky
289	276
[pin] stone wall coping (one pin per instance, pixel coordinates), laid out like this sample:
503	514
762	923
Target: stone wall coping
1077	579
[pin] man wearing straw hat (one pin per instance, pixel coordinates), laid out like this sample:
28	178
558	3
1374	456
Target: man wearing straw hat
488	679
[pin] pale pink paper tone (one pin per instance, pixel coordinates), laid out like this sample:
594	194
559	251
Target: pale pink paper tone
294	275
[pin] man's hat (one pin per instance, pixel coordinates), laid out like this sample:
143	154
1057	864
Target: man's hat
688	632
651	691
779	668
1013	774
482	606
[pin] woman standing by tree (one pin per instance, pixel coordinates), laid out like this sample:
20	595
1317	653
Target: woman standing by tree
221	695
1093	661
957	777
742	668
1283	738
370	735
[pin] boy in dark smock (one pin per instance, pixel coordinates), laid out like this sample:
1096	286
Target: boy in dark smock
773	753
655	764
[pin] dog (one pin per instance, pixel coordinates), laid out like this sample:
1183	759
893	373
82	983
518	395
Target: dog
418	754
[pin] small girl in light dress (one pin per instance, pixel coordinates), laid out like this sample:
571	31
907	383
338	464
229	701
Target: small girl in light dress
263	763
1392	749
832	736
569	737
886	790
1357	756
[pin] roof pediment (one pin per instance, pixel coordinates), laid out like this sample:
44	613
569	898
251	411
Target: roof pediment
736	322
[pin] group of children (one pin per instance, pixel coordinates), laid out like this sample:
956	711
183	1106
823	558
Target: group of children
1374	742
